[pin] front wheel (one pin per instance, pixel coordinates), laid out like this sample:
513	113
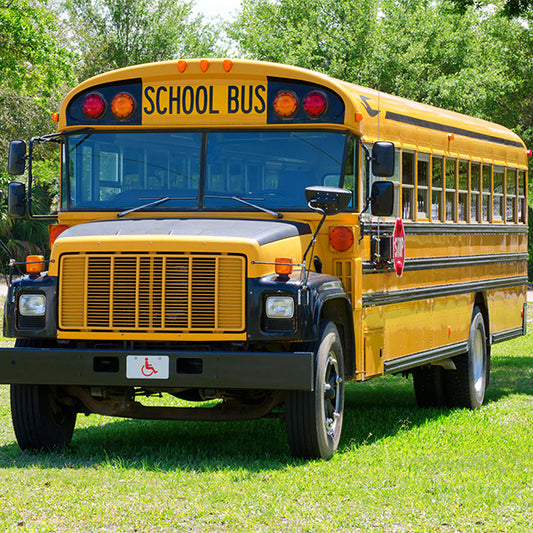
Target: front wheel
314	418
465	386
42	419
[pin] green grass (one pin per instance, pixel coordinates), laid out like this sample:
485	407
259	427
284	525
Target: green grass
398	469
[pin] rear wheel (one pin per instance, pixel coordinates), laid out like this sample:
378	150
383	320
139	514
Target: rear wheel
41	419
314	418
466	386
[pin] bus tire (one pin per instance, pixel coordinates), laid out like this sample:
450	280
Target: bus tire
314	418
41	422
466	386
429	386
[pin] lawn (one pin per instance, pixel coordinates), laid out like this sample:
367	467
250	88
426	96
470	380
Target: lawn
399	468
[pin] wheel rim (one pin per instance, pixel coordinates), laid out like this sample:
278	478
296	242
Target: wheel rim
332	395
478	363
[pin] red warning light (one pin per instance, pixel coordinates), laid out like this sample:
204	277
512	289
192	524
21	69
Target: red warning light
315	104
93	106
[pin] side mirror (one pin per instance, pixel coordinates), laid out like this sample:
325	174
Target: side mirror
16	161
382	198
383	159
16	199
330	200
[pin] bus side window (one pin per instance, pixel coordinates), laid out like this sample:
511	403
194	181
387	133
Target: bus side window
475	192
522	206
510	213
422	186
462	189
451	189
437	176
408	185
487	188
350	174
497	184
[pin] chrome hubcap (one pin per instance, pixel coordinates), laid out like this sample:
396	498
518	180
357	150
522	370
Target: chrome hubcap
331	395
478	363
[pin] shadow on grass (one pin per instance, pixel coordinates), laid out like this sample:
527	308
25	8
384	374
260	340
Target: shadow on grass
374	410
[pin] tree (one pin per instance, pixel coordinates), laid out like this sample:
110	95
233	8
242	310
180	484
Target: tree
110	34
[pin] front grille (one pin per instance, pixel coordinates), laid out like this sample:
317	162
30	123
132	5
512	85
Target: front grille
152	292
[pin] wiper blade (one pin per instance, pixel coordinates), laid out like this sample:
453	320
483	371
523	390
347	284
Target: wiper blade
161	200
249	204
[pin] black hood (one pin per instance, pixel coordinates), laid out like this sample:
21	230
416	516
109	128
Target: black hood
261	231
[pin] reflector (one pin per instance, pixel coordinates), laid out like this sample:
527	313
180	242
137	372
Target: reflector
93	106
204	65
228	64
182	65
341	238
285	104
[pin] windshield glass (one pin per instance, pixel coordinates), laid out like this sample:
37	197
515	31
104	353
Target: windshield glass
199	170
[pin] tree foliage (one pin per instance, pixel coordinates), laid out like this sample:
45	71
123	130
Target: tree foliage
111	34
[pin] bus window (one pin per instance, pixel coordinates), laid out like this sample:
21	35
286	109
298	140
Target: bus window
510	214
462	204
450	189
408	185
497	179
422	190
475	192
437	175
486	207
350	174
522	209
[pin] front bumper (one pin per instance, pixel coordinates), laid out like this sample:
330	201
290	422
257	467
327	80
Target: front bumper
218	370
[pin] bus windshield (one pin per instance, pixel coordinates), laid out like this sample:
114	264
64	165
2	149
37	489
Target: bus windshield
200	170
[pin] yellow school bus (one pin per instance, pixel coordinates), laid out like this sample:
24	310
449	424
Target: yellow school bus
255	235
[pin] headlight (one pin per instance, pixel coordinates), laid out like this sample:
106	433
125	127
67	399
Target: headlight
279	307
32	304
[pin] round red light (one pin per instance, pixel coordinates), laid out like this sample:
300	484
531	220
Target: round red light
93	106
122	105
341	238
315	104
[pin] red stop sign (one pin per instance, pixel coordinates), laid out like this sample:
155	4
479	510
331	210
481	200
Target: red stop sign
398	247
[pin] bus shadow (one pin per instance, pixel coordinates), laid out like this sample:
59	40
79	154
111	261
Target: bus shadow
375	410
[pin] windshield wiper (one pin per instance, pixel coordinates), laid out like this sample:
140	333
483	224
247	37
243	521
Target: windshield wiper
161	200
249	204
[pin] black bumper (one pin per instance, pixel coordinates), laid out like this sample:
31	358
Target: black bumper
227	370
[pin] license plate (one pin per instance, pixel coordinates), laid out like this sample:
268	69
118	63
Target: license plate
147	366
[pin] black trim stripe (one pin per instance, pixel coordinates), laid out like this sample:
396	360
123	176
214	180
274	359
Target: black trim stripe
451	228
427	357
507	335
428	124
439	291
433	263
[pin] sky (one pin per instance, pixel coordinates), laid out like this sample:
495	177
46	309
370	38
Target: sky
213	8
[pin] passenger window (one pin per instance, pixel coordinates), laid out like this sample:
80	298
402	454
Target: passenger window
408	185
486	207
437	177
450	189
462	205
522	206
510	213
422	193
497	184
475	192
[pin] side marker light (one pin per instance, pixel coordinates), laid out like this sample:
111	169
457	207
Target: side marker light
34	264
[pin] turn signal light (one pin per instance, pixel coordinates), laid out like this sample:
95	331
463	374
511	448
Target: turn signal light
284	266
529	153
55	230
122	105
285	104
34	264
93	106
55	117
341	238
